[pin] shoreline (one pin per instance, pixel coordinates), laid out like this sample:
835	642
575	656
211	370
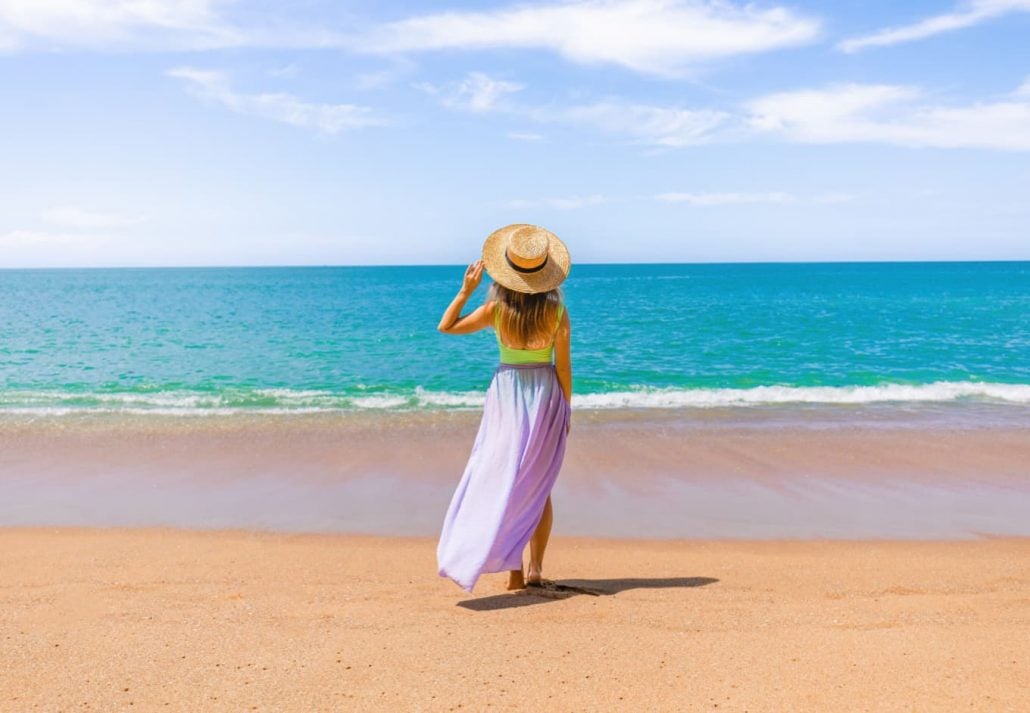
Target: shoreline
173	620
826	414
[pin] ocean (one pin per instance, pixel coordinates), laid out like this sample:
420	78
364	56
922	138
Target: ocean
187	341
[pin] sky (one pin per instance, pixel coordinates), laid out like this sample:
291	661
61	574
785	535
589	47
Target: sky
317	132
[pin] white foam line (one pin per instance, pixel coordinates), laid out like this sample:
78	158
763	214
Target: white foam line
287	401
941	391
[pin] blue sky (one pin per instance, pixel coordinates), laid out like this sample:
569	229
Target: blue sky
210	132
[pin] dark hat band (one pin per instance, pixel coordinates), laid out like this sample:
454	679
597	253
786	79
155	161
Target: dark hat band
525	270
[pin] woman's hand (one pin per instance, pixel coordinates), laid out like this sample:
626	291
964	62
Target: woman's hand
473	276
452	322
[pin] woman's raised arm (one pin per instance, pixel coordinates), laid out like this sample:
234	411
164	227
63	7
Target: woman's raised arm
479	318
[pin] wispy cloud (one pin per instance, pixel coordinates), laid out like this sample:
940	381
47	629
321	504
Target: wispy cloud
148	26
76	218
892	114
654	125
477	92
663	37
827	114
326	118
658	125
965	15
841	113
70	228
109	24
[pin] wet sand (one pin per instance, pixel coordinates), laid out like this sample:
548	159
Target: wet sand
621	445
236	621
840	473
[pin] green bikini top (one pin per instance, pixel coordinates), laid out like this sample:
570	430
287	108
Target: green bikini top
509	355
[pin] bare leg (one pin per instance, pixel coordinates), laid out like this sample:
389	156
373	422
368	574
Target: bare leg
538	544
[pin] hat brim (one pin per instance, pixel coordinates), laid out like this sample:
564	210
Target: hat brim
550	276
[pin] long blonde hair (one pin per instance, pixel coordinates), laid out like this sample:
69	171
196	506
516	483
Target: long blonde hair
524	318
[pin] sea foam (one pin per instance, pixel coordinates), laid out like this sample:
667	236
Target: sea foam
283	401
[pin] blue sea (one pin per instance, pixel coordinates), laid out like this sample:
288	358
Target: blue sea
272	340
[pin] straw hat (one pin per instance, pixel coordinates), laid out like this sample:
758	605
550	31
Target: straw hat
526	258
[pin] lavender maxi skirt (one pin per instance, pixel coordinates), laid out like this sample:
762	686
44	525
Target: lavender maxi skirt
514	462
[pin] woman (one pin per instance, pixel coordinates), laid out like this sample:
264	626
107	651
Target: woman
503	500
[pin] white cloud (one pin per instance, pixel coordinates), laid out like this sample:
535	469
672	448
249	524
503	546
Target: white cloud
891	114
664	126
100	24
843	113
76	234
477	92
966	15
150	26
656	125
74	217
562	203
664	37
824	114
285	108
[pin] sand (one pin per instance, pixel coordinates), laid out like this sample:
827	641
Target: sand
156	619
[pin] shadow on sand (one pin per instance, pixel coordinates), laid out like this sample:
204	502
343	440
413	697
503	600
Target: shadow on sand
566	588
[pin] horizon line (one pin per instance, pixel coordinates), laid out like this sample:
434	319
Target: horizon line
459	264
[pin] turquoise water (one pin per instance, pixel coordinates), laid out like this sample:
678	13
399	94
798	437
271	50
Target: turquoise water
364	338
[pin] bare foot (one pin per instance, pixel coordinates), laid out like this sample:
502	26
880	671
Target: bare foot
534	576
516	580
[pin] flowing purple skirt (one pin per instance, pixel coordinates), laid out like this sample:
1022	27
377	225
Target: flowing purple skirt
514	462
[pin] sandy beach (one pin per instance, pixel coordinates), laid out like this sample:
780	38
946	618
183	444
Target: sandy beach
160	619
785	560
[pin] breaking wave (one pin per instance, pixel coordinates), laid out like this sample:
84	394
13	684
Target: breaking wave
285	401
